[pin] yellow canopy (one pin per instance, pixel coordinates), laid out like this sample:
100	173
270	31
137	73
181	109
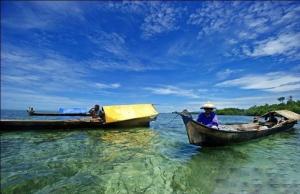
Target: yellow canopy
118	113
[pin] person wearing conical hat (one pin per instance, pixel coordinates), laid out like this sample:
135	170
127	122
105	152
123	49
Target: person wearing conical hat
208	117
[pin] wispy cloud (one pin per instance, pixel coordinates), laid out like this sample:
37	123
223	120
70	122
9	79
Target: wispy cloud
223	74
42	15
130	64
163	17
183	47
284	44
272	82
113	53
131	7
108	86
46	71
251	18
211	17
112	43
172	90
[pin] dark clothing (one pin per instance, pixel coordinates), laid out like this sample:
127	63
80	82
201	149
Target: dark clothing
211	120
272	120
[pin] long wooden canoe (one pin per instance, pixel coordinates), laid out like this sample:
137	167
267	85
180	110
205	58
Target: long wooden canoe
13	125
57	114
199	134
133	115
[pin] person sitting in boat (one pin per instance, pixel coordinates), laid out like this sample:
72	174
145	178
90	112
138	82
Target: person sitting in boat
30	110
95	112
208	117
271	119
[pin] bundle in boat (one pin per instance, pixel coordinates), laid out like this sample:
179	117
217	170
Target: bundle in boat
199	134
135	115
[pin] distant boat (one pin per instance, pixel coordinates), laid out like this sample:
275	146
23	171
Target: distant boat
134	115
199	134
32	112
57	114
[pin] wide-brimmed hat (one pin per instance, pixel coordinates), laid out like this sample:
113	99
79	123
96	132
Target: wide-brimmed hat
208	105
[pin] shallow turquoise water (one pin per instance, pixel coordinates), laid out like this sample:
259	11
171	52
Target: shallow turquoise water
158	159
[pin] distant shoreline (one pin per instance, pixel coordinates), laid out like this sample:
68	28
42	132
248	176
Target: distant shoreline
260	110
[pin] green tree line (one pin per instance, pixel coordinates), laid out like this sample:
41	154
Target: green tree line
290	104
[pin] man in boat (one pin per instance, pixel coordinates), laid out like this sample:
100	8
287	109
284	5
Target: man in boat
208	117
30	110
96	113
271	119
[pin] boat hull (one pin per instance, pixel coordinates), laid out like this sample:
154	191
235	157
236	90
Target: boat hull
202	135
13	125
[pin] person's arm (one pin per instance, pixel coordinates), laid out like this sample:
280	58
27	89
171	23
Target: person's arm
215	121
91	110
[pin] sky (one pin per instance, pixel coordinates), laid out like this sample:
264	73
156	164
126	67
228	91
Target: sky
175	55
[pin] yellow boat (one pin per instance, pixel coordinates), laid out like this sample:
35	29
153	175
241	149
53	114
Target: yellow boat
134	115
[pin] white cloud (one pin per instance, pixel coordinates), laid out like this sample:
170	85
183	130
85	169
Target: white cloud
211	17
284	44
183	47
42	15
108	86
162	18
245	20
29	68
132	7
129	64
113	53
223	74
272	82
172	90
113	43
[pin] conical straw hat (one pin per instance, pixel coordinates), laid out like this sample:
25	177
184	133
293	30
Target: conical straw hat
208	105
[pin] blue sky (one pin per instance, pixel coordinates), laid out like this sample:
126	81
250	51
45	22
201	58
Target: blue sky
174	54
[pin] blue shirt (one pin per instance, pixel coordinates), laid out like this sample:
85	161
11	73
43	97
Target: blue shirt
211	120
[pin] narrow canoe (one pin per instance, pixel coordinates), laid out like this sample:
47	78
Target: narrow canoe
13	125
202	135
132	115
57	114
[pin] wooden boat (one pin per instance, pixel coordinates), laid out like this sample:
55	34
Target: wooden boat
13	125
57	114
31	112
199	134
138	115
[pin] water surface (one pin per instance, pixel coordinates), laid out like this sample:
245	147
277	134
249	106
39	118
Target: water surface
158	159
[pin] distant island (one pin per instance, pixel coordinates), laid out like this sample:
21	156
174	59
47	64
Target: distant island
290	104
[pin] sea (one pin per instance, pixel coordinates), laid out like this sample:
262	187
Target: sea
158	159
